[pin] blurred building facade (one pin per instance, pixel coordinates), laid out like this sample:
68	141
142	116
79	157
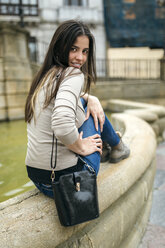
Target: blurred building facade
135	23
41	19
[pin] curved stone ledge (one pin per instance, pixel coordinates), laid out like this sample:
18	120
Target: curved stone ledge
118	105
125	192
153	114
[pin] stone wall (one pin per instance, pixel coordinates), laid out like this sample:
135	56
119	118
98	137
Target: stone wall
15	71
136	90
162	68
125	195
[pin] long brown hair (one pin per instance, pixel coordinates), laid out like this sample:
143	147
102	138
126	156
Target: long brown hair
56	60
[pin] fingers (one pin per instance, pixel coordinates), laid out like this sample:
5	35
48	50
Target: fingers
101	121
81	135
98	144
100	118
91	144
99	150
95	121
95	136
87	114
95	109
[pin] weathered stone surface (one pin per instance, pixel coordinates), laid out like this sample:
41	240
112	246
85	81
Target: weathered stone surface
155	237
15	70
16	100
2	88
31	221
159	127
35	68
139	228
1	69
2	114
13	40
118	105
156	101
161	123
160	111
155	232
16	113
143	114
17	87
129	89
162	69
123	188
2	102
156	129
158	209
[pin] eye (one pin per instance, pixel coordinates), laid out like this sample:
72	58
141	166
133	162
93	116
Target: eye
86	51
73	49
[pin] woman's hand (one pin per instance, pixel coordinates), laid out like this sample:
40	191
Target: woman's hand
95	109
87	145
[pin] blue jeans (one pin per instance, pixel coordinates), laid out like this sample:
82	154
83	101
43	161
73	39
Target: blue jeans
45	189
108	135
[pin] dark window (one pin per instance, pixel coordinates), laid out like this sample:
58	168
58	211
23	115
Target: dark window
160	13
14	7
160	3
128	9
129	15
32	49
76	2
160	9
135	23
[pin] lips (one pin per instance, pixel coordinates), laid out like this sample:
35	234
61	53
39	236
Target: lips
77	65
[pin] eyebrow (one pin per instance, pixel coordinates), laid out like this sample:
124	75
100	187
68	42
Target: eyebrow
87	48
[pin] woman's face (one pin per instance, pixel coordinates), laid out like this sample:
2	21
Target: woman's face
79	52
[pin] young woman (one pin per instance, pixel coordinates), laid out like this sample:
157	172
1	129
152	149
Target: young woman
59	102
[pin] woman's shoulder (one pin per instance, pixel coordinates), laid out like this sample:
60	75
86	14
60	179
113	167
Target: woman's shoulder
73	72
73	78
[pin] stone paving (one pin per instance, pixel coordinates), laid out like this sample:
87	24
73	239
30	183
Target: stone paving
155	233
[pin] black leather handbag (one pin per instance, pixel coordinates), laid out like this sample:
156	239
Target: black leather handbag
75	194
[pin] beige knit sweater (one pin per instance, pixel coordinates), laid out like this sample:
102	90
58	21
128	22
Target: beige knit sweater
64	116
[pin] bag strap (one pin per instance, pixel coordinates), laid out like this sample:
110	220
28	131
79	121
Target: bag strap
90	168
55	161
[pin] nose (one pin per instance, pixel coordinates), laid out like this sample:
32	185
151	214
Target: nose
79	56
